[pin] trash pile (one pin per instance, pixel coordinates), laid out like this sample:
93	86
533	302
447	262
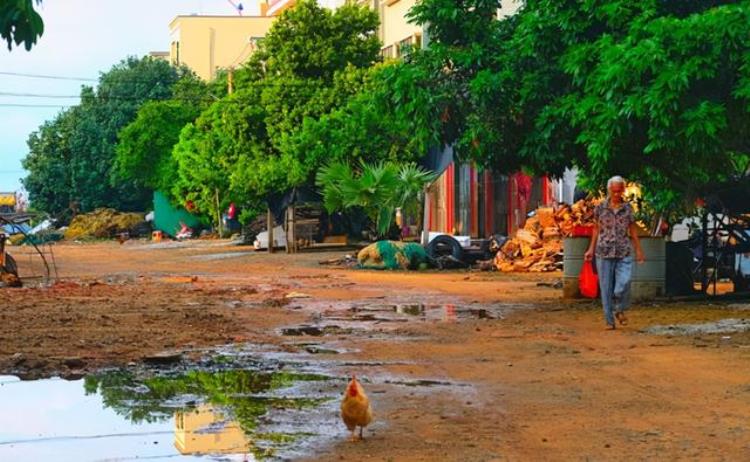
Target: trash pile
107	223
538	246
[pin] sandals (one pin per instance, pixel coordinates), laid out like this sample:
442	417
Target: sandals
610	327
622	318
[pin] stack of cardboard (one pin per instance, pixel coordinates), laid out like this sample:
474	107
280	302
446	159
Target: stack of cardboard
538	246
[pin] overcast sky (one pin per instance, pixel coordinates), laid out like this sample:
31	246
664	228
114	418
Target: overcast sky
81	39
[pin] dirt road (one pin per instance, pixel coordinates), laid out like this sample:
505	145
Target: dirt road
517	374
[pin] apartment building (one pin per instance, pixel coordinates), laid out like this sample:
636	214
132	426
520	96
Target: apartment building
398	35
276	7
206	44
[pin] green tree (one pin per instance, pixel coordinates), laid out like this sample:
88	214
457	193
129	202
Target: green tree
144	152
87	135
144	149
363	129
20	23
308	65
48	162
655	90
313	42
431	89
213	153
663	100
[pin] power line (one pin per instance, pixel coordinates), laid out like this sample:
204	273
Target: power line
35	105
300	83
209	98
52	77
36	95
108	97
102	97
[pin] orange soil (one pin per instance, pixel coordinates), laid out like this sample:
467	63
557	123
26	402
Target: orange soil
545	383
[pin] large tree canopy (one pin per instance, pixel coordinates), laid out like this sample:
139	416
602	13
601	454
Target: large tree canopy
364	129
71	158
144	149
313	42
144	152
308	65
656	90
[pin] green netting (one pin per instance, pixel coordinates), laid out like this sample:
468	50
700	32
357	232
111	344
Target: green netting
389	253
415	253
392	255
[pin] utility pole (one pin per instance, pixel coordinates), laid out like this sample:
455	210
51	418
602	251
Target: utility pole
218	212
270	222
230	81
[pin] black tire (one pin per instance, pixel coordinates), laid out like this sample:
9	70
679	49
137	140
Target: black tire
444	245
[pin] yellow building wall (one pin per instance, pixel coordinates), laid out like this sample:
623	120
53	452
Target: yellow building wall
394	27
206	44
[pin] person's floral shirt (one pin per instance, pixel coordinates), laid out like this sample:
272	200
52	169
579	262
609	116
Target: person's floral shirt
614	226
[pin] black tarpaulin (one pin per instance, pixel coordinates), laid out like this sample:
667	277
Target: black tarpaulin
278	203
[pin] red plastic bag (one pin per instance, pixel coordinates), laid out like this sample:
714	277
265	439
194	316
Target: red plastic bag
588	281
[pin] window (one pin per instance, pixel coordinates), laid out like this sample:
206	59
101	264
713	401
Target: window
255	40
388	52
405	46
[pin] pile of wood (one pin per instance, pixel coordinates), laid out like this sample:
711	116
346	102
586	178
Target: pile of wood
538	246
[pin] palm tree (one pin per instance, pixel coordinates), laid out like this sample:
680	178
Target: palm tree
378	189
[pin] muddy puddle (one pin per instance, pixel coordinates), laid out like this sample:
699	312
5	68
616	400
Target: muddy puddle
722	326
120	415
345	317
240	402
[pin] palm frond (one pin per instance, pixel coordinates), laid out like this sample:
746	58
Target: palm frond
377	188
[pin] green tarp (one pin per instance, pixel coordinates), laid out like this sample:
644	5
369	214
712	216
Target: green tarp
167	218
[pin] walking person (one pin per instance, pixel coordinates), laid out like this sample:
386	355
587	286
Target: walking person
614	239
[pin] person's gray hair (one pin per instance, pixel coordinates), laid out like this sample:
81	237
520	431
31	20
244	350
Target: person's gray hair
617	179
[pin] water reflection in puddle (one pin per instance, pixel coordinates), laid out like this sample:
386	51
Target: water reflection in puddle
232	415
342	317
446	312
